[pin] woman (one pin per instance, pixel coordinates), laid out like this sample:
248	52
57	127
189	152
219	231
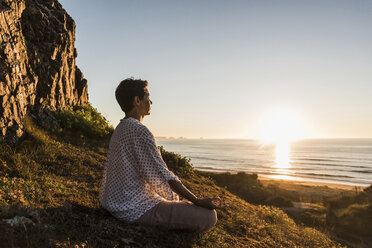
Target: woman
137	185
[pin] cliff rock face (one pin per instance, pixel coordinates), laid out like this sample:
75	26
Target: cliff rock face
37	64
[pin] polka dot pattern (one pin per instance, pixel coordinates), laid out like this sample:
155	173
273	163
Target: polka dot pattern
135	175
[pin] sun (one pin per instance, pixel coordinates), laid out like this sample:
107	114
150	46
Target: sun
280	126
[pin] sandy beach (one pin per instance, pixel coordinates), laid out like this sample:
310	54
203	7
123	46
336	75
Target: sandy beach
299	183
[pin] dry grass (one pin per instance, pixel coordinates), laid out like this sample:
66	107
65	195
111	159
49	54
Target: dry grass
351	217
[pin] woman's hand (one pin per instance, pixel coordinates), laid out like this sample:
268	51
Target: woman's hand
207	202
210	203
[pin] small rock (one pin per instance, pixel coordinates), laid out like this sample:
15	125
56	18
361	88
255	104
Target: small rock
18	220
127	241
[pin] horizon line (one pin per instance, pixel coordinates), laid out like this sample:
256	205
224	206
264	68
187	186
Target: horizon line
230	138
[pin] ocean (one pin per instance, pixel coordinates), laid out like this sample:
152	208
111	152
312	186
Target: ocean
340	161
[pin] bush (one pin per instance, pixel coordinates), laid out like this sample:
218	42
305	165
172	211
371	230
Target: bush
85	119
82	125
176	163
246	186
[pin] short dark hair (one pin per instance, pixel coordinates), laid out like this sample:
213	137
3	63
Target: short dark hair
127	90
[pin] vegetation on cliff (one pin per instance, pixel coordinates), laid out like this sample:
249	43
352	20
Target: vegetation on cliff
52	185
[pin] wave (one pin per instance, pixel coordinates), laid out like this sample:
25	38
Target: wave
319	161
324	175
214	159
293	163
366	172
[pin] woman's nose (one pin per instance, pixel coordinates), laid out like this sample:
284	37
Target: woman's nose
150	101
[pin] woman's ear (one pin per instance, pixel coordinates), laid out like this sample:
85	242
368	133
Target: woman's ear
136	101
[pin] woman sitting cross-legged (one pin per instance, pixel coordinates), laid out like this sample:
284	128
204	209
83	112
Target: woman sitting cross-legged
137	185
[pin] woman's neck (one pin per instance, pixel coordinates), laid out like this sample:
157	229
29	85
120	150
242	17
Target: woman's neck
135	115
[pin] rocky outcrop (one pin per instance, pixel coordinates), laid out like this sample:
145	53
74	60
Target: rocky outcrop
38	73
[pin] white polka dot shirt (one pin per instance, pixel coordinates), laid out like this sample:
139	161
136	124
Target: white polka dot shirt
135	175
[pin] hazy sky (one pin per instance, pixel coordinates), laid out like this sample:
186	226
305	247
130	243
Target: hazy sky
217	68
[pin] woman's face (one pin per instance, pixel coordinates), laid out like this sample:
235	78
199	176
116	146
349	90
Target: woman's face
145	104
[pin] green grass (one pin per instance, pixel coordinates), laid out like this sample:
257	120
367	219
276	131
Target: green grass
83	125
54	182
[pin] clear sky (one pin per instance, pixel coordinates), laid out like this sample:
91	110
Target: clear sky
217	69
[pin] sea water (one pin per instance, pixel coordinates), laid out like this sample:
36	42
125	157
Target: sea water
342	161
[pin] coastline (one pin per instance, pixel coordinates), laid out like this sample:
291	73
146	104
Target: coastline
308	189
267	180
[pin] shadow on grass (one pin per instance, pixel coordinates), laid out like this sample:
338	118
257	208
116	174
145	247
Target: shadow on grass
75	225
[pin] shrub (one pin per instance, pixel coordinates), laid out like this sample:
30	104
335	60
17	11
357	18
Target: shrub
85	119
246	186
83	125
178	164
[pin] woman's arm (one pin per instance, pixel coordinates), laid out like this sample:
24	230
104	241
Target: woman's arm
207	202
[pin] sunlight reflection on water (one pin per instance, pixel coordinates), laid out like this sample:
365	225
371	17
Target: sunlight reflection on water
282	157
282	166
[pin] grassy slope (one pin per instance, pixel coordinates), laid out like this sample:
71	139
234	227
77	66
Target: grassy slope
346	214
351	217
56	185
